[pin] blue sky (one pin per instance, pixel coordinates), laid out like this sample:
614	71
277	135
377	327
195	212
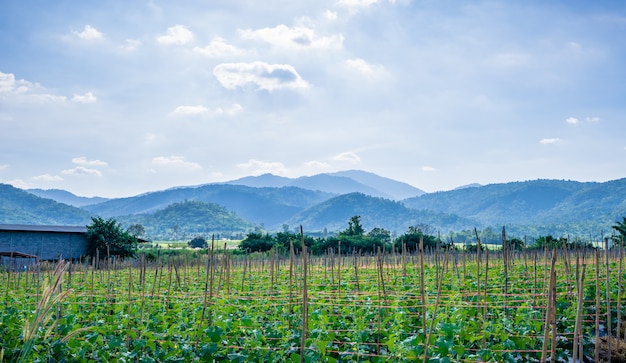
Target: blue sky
117	98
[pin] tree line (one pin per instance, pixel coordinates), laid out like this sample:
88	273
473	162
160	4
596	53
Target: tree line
108	238
355	238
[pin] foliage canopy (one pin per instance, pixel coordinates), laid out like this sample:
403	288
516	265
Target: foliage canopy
107	237
198	242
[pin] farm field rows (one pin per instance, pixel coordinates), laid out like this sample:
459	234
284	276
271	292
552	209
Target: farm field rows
402	307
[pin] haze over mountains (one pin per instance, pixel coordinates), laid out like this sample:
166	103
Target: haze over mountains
325	202
343	182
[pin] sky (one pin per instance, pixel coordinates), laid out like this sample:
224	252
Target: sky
117	98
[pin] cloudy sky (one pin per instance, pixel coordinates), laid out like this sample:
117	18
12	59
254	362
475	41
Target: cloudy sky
115	98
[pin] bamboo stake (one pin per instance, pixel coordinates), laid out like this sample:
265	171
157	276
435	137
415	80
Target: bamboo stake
553	302
597	318
356	272
483	341
506	272
291	257
339	271
212	278
380	299
130	287
205	301
305	299
422	294
619	297
578	343
478	251
243	275
549	311
436	308
608	298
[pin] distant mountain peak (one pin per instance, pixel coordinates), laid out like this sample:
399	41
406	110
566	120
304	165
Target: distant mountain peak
472	185
341	182
63	196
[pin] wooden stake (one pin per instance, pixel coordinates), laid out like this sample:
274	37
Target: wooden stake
305	299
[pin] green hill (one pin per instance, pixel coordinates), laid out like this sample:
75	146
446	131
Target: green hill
266	206
333	215
189	219
535	207
20	207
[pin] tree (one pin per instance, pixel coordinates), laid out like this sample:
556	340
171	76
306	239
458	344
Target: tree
550	242
380	234
137	230
354	227
257	242
516	244
109	238
198	242
423	228
620	227
412	239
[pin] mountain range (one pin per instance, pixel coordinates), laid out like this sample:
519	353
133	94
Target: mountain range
324	203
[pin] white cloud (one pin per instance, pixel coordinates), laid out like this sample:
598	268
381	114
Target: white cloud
572	120
200	110
330	15
149	138
90	33
190	111
19	183
25	91
263	167
299	37
131	45
178	34
265	76
81	160
427	168
316	164
348	156
592	119
547	141
371	70
3	166
230	111
356	3
81	170
219	48
177	162
86	98
48	178
359	3
7	82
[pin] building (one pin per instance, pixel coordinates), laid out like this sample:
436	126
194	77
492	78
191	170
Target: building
42	242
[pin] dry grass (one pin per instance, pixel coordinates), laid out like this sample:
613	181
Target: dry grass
618	350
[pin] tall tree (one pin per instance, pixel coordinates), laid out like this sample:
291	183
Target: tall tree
354	227
109	238
620	227
137	230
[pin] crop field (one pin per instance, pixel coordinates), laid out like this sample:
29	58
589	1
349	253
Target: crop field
405	306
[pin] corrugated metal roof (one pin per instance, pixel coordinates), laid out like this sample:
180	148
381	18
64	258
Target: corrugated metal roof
42	228
17	255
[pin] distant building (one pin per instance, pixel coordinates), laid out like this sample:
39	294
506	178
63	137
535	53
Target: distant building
42	242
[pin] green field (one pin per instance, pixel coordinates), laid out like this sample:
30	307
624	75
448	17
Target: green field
230	244
402	307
